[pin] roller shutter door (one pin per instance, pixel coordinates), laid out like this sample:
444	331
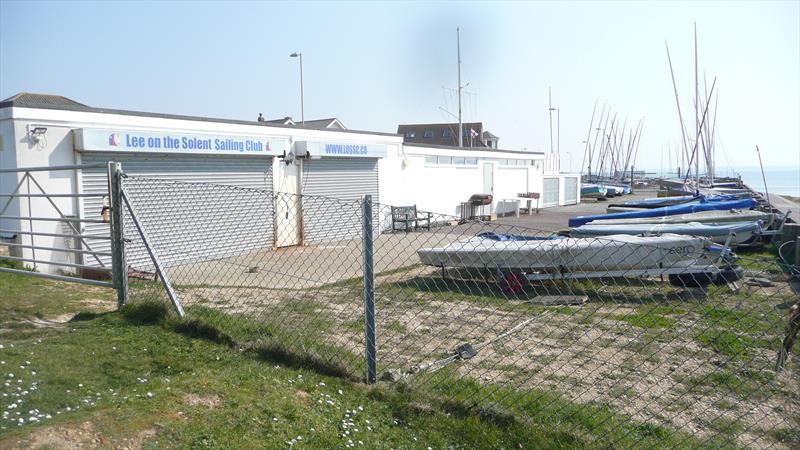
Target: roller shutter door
344	179
550	197
570	190
194	207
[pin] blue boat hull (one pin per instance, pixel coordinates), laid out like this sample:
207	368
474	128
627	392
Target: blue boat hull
667	211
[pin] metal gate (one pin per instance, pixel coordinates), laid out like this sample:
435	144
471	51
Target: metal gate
45	231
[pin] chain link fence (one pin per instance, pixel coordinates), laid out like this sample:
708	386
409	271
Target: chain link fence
671	338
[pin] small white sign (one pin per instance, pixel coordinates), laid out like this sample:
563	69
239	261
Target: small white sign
341	149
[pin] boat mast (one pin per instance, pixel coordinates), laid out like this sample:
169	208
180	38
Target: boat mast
460	125
593	148
678	103
696	108
589	136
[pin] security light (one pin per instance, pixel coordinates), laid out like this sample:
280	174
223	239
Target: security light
37	134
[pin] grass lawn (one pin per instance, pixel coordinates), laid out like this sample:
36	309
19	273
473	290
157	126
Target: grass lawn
76	372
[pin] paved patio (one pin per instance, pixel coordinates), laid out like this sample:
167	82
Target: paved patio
316	265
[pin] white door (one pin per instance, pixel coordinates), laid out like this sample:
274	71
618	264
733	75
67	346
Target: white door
488	178
332	190
550	195
287	204
570	190
488	181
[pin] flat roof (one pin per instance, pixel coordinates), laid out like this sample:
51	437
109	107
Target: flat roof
56	102
475	149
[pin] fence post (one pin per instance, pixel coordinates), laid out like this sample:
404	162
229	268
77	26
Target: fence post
119	271
369	290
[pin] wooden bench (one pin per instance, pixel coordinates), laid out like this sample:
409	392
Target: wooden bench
408	218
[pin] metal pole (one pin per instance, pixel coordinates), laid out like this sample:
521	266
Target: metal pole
173	297
119	264
550	115
302	99
30	214
369	291
558	130
460	125
763	177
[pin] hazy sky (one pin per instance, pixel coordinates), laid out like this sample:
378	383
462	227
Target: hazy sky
375	65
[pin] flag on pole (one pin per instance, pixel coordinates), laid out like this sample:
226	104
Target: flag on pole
473	133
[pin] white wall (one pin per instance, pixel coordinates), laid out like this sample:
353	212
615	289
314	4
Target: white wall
58	149
406	179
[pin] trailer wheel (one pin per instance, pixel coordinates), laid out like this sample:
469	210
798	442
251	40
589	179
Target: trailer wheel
730	275
513	283
691	279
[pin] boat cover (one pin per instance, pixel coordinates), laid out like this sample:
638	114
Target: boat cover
650	203
618	252
666	211
710	217
744	231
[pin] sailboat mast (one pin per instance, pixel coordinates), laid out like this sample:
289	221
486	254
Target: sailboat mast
589	136
696	108
460	125
678	103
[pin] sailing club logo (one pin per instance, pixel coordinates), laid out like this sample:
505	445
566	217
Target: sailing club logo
113	139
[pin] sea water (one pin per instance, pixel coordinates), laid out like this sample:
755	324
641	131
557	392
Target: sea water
780	180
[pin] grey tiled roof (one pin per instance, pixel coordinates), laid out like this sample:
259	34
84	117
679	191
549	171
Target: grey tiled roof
32	100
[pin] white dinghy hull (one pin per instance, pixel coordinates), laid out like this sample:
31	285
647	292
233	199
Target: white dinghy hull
708	217
607	253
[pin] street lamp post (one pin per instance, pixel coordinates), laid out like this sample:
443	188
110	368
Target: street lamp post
302	101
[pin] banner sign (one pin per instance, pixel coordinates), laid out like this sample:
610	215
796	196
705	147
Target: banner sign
92	139
340	149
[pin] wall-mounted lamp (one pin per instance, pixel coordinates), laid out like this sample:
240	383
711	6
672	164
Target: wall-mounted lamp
37	134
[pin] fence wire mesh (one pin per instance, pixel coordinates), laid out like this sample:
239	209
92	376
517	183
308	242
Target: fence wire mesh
673	339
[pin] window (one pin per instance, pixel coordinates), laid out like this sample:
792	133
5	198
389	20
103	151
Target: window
472	161
411	134
447	133
445	160
430	160
457	160
428	134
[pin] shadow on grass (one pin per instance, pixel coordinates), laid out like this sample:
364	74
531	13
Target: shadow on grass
280	354
145	313
84	316
198	329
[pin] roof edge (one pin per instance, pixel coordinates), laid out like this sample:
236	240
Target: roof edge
473	149
123	112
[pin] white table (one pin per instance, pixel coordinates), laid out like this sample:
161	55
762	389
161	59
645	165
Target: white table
515	201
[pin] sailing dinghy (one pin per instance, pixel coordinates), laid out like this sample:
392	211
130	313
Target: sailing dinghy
597	254
740	233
